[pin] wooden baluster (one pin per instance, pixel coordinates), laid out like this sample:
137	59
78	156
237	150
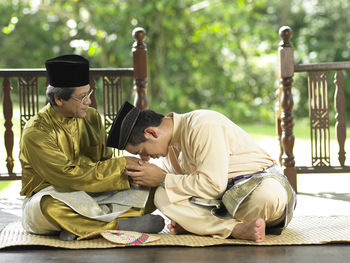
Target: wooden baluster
7	102
29	98
139	51
93	96
112	98
278	111
286	58
339	103
47	83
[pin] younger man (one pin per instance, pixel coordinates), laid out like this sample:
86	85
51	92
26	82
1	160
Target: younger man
215	179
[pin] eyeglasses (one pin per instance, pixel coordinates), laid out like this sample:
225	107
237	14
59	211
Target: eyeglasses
81	99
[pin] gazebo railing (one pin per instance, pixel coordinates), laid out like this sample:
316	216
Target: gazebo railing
318	90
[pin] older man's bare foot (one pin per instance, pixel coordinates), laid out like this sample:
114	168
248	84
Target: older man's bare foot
254	230
176	229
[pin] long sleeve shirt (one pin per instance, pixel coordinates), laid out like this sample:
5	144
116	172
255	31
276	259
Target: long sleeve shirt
206	149
69	153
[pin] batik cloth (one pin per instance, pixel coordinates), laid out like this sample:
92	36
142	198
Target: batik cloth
99	206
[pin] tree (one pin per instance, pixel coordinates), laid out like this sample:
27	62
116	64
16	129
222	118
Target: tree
218	54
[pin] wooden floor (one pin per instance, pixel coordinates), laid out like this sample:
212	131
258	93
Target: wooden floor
242	254
308	203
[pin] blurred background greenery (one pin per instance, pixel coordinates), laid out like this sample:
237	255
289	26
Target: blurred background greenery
218	54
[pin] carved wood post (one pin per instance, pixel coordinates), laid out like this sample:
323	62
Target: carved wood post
278	111
339	103
7	102
47	82
93	95
139	51
286	59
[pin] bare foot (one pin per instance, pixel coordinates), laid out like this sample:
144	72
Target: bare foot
176	229
254	230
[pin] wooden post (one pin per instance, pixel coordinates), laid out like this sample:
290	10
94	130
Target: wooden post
93	95
139	52
340	127
286	59
278	111
7	102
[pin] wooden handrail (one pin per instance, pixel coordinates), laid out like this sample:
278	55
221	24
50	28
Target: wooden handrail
41	72
325	66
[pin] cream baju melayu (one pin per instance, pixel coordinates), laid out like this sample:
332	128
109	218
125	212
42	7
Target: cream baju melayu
67	159
206	150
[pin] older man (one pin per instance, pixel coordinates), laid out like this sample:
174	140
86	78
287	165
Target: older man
215	179
71	182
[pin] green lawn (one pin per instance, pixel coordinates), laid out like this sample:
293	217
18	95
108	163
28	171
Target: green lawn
4	184
257	131
301	130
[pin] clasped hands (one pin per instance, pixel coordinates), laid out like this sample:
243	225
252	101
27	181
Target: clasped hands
144	173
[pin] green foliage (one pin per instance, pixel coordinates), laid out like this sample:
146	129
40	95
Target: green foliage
218	54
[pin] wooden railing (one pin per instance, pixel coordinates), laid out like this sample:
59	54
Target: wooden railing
111	81
318	112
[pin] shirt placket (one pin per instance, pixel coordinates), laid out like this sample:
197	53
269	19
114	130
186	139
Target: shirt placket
75	140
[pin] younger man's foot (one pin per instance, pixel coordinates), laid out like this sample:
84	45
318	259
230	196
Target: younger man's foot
254	230
176	229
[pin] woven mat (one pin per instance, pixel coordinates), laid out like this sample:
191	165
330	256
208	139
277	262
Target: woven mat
303	230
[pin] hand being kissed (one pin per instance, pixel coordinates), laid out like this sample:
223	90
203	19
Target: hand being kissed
144	173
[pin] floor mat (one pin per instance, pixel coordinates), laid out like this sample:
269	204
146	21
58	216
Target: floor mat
303	230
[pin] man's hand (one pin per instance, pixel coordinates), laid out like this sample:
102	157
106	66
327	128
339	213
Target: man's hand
132	160
145	174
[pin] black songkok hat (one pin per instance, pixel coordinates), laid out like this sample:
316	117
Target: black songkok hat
68	71
122	126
